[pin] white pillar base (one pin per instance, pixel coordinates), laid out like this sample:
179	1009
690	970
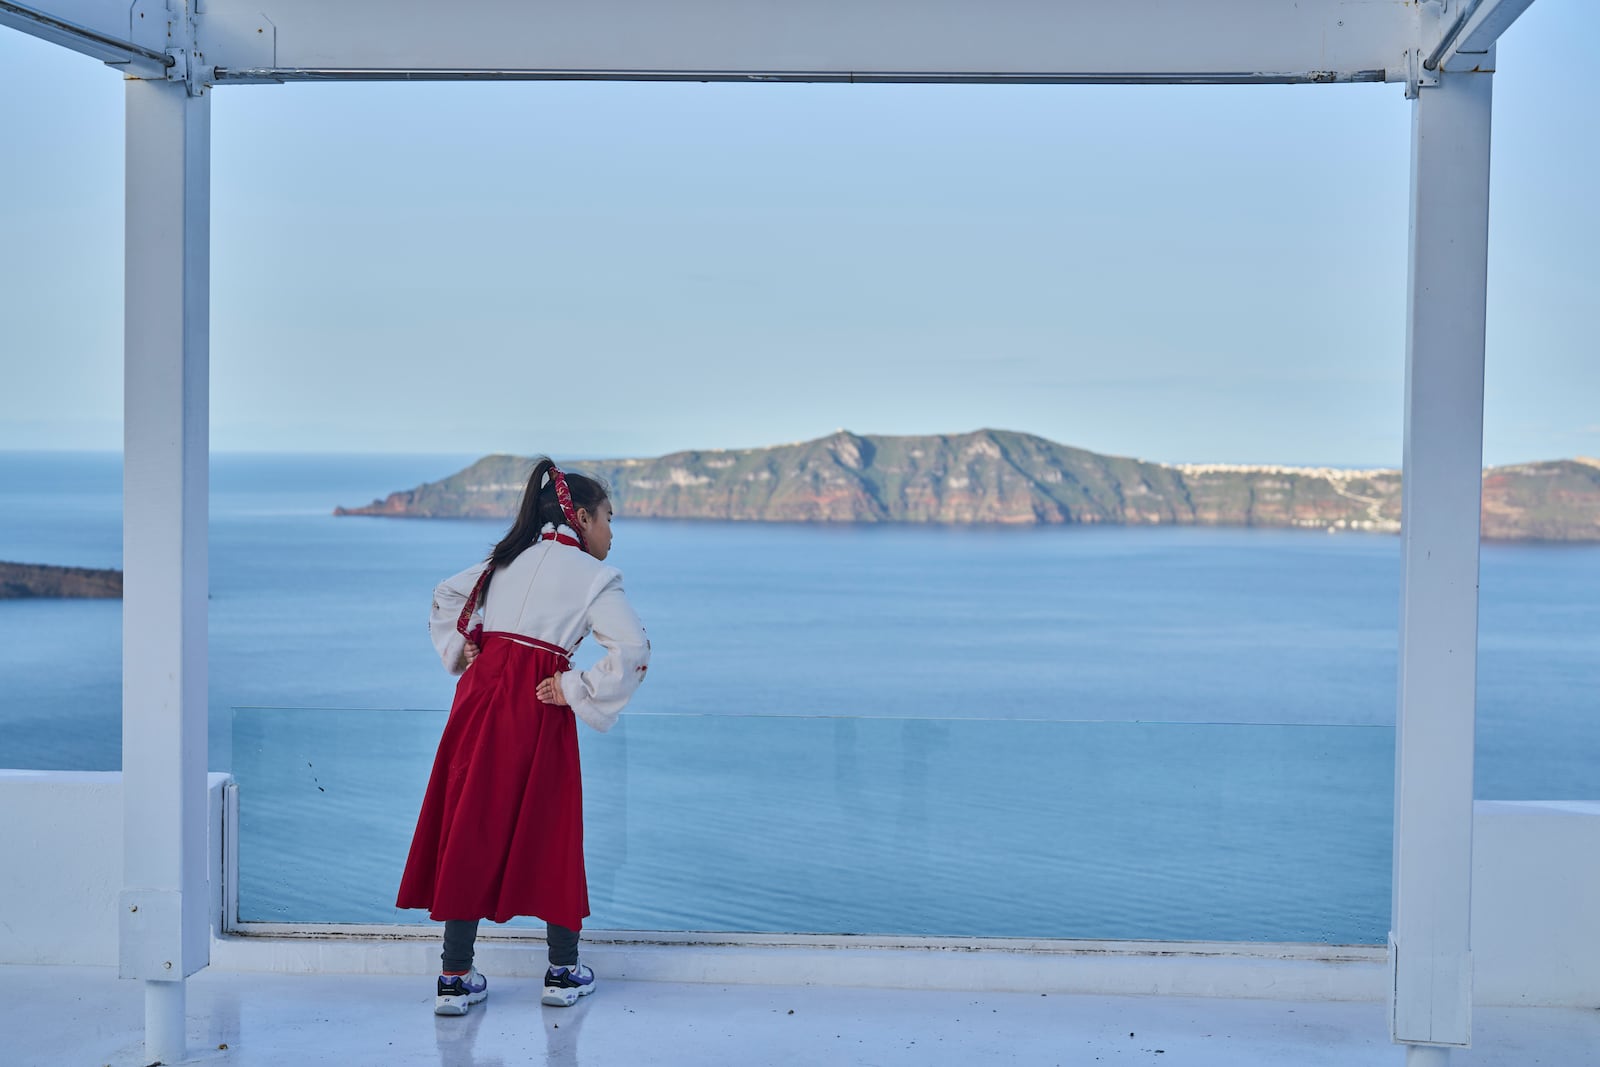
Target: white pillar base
165	1025
1427	1056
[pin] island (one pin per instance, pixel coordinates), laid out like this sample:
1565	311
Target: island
1005	477
23	580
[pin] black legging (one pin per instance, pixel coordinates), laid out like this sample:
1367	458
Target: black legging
461	934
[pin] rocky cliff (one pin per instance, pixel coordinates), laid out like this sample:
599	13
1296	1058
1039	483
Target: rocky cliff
994	476
18	580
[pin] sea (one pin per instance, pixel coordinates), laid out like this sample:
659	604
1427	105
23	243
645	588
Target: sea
971	732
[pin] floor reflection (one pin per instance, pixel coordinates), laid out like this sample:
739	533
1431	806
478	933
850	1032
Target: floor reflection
561	1029
221	1025
87	1016
457	1036
510	1027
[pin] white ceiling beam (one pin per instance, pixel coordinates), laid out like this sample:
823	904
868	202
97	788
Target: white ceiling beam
92	27
1097	41
814	40
1472	37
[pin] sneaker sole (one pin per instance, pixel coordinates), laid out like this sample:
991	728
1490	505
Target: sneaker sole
457	1005
562	997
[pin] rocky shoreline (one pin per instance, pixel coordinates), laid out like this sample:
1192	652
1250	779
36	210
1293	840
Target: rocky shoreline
28	580
1001	477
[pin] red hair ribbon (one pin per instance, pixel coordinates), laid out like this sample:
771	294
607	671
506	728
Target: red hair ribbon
564	498
475	634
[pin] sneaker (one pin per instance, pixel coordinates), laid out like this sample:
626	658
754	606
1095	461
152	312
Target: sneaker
458	992
564	985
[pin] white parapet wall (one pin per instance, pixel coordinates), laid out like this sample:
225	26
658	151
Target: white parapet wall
1535	929
61	832
1536	902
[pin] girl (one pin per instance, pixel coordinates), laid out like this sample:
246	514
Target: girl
501	829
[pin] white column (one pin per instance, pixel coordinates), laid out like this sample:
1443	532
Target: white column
1429	944
1427	1056
164	935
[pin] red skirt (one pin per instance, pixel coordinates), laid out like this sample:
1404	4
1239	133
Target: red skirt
501	829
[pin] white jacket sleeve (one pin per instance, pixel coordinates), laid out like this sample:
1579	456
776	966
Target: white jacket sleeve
598	695
449	597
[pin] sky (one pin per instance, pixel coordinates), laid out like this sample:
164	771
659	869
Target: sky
1183	274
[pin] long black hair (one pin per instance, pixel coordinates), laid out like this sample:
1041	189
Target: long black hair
540	506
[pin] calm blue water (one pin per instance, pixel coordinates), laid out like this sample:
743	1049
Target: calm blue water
1042	627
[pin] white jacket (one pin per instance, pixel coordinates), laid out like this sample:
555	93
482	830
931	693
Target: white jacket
558	594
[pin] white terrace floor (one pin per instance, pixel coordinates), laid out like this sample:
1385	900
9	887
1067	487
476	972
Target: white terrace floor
86	1016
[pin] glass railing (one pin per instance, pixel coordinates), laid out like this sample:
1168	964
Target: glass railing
859	825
